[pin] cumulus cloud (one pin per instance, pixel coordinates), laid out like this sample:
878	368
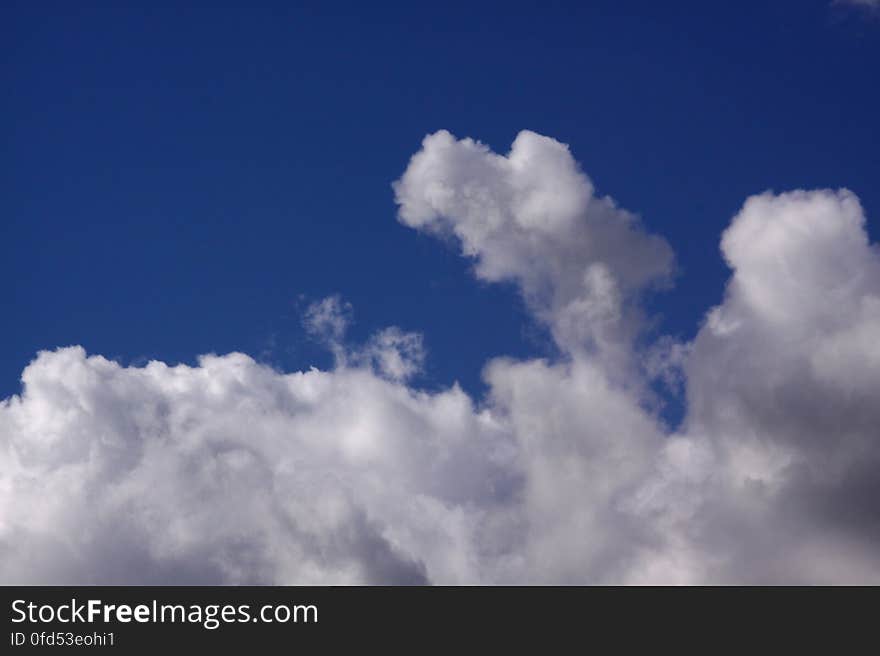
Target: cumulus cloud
784	384
232	472
868	4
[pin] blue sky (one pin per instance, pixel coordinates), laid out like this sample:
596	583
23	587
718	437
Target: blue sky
175	178
181	179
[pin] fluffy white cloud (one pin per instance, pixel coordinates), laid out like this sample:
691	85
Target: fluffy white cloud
869	4
783	386
231	472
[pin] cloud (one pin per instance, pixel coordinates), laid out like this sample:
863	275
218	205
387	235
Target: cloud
327	321
866	7
783	386
870	4
232	472
532	217
392	353
395	354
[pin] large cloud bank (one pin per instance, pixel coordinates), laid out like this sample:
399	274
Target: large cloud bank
231	472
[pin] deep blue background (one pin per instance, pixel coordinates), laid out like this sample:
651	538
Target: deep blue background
175	179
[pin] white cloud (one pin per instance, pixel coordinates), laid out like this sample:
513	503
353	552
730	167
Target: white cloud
231	472
533	217
328	320
870	4
783	385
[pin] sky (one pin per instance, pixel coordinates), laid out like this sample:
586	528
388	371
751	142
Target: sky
572	292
